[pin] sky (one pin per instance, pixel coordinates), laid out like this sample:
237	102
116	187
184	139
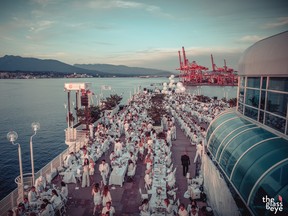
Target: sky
145	33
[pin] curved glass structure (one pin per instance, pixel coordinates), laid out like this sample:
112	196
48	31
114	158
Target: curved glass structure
254	160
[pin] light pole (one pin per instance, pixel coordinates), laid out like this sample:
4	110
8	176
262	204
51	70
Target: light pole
12	137
35	126
67	113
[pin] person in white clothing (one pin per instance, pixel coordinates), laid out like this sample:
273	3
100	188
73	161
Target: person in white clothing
32	196
182	211
64	191
104	171
85	175
118	148
56	199
108	210
199	149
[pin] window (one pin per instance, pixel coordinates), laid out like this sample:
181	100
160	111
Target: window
252	113
253	82
261	117
241	95
279	83
275	122
252	97
264	82
262	100
277	103
240	108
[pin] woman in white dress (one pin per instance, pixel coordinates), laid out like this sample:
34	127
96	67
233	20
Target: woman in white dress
85	175
96	198
106	196
91	169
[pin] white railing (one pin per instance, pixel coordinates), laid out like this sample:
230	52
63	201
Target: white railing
11	200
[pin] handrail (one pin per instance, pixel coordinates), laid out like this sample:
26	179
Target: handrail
10	201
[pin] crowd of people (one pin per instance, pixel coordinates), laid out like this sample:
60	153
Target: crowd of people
131	132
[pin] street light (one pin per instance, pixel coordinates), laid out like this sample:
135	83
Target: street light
12	137
35	126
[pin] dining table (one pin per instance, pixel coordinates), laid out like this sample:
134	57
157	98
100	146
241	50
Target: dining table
118	173
158	187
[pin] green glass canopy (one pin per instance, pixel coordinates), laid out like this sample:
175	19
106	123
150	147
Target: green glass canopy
254	160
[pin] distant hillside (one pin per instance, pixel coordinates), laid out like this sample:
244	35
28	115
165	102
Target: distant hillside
12	63
123	70
18	63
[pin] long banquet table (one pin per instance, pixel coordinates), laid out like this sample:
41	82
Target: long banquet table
117	176
158	189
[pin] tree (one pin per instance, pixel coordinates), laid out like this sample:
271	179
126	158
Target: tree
94	113
157	109
111	102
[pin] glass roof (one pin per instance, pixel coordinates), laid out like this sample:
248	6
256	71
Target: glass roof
250	157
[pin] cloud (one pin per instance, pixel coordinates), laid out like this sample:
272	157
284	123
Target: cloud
40	25
43	3
281	21
167	58
110	4
250	38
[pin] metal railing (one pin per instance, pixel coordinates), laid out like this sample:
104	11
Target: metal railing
12	199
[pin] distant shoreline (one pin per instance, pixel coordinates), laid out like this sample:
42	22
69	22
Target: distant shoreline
59	75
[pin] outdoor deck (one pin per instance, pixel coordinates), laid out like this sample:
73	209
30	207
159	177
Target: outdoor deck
126	200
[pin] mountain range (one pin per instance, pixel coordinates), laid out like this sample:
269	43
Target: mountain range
10	63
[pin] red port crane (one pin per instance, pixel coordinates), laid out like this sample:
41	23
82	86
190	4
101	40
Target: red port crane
190	72
194	74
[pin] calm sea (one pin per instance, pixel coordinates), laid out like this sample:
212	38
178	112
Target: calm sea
25	101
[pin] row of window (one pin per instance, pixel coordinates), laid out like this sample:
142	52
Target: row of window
270	83
265	99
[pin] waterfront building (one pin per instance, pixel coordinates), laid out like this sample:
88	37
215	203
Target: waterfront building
249	145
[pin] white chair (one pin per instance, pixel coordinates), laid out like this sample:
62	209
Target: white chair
143	196
174	172
60	209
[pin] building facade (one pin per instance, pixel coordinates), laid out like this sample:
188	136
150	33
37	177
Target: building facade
250	145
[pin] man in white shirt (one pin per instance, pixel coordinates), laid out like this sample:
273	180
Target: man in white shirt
69	159
32	196
199	149
108	210
104	171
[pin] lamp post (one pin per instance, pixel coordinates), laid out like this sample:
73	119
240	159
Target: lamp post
12	137
35	126
67	113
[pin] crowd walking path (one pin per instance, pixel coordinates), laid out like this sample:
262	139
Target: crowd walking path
126	199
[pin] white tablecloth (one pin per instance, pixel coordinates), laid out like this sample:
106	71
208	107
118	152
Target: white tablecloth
70	173
158	184
117	176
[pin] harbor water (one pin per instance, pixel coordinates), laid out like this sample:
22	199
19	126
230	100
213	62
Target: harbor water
42	100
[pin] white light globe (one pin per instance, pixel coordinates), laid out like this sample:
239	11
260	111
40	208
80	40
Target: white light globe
182	89
179	84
